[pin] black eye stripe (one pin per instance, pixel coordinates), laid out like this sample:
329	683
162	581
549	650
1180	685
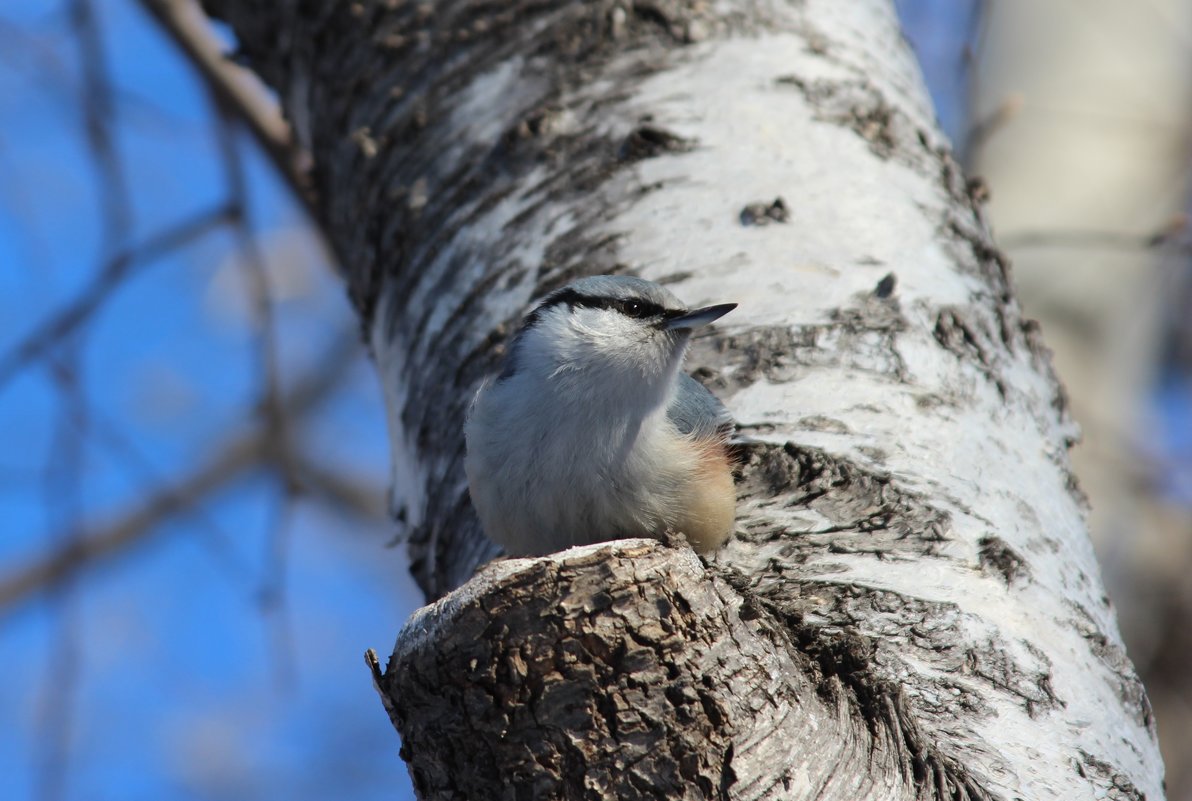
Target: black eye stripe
642	309
631	307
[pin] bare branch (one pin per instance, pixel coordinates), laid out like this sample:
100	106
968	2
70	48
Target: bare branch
237	89
143	520
134	525
359	498
273	597
107	434
1092	239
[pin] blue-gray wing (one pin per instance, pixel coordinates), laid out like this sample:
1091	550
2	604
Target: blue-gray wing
696	411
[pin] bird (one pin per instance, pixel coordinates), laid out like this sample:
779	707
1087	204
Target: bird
591	431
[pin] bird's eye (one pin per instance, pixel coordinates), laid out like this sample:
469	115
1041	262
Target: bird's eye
633	308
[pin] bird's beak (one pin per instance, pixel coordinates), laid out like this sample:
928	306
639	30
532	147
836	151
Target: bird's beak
698	317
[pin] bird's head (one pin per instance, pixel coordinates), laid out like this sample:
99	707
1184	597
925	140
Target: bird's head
608	328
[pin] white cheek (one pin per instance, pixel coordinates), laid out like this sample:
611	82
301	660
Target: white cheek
629	344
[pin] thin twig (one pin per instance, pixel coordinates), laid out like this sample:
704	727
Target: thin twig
74	314
99	115
62	491
274	597
237	89
259	289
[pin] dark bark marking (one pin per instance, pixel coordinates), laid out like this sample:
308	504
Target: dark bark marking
868	512
969	193
993	664
1130	692
728	777
1104	776
763	352
999	557
842	664
885	287
874	311
972	246
822	423
672	18
650	141
1041	358
859	105
762	213
861	338
960	335
988	262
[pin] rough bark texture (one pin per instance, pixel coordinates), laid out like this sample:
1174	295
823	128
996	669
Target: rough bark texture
564	689
910	608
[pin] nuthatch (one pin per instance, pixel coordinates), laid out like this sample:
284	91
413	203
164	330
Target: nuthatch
592	432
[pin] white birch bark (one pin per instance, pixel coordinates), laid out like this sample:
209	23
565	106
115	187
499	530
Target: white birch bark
910	608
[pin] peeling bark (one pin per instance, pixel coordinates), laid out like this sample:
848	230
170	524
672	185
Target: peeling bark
910	608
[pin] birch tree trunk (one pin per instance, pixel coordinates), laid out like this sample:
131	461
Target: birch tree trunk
910	608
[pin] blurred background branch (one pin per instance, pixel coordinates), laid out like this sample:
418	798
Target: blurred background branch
236	90
243	451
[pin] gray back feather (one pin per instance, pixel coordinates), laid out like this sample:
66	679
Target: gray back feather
697	412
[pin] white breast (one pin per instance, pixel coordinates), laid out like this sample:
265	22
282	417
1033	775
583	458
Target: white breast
543	482
561	455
